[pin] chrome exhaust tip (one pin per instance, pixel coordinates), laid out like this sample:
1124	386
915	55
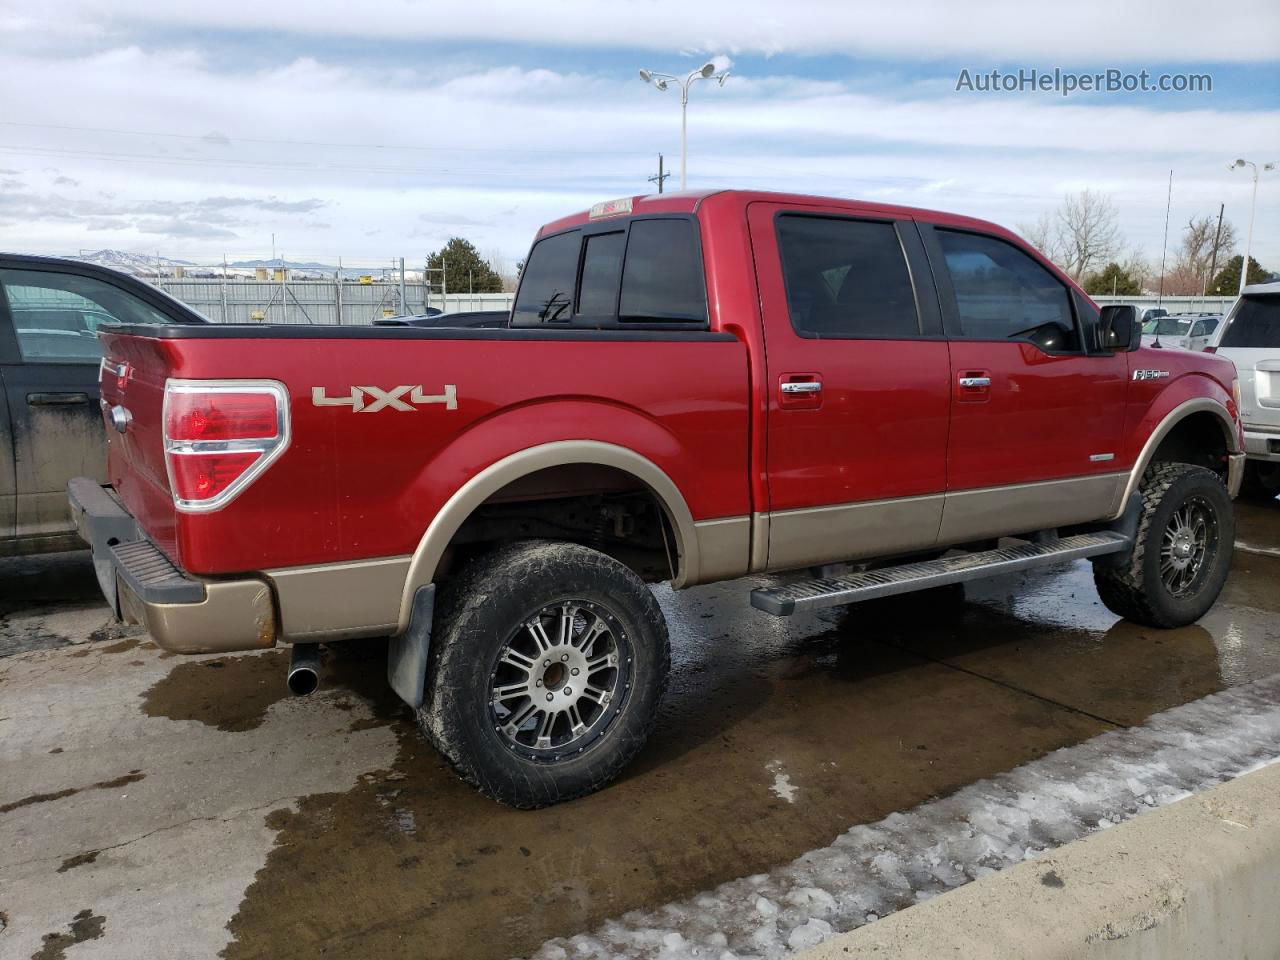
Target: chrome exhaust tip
304	669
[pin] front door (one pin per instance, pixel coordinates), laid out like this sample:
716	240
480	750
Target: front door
858	384
51	386
1036	418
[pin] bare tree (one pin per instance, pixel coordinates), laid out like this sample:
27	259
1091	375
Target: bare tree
1086	232
1041	235
1203	245
1138	267
498	260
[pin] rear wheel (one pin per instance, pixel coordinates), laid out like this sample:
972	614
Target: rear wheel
1182	551
548	664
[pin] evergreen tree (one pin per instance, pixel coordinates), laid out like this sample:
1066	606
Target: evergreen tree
465	271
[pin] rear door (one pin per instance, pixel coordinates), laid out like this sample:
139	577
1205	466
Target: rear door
1036	418
51	387
858	384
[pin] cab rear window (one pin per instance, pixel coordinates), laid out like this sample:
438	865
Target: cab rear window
642	273
1256	324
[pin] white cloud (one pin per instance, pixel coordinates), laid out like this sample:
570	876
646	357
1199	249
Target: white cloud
401	159
1083	31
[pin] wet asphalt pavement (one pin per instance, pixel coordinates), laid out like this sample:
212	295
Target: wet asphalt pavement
153	805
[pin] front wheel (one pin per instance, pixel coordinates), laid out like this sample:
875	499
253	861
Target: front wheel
1182	551
548	664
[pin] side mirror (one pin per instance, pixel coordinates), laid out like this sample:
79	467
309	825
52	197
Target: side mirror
1119	329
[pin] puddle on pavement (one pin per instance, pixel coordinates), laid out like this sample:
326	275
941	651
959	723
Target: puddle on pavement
230	693
84	926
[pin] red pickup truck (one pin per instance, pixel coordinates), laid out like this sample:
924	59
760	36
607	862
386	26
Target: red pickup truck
864	399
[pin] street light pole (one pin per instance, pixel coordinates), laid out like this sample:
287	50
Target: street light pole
662	80
1253	202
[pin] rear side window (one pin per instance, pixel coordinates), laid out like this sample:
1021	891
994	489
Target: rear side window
644	272
1003	294
662	278
56	315
546	287
846	279
1256	324
601	267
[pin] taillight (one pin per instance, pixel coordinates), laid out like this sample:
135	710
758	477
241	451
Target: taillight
1210	349
219	436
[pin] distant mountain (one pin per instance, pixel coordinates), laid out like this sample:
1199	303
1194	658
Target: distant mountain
278	262
138	264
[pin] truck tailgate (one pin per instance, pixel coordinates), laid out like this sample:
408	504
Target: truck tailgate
134	371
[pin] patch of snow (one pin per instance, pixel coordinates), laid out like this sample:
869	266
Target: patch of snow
875	869
782	787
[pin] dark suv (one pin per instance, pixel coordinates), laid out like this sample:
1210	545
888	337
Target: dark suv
50	424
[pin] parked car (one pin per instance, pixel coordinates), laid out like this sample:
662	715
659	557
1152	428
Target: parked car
1250	338
50	424
693	388
440	319
1185	331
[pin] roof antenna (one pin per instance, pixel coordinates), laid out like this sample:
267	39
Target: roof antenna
1163	255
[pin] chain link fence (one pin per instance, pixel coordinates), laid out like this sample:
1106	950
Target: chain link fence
331	302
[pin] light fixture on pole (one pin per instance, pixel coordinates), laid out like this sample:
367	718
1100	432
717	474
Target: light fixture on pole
663	80
1244	264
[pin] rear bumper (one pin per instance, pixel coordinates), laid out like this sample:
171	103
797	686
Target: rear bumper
1262	443
182	613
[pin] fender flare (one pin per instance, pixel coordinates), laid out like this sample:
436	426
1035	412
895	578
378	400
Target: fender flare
465	500
1165	427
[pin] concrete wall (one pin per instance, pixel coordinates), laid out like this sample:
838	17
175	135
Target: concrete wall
1198	880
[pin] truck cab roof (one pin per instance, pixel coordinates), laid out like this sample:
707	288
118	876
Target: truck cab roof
691	201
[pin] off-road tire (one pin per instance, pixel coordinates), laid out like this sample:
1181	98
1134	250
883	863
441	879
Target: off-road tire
1136	590
476	616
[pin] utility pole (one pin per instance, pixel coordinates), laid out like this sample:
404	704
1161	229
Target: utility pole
404	304
659	177
1217	238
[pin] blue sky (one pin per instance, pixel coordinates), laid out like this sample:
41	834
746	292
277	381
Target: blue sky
202	130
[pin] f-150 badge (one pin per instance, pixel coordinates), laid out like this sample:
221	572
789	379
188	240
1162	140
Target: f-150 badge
374	399
1150	374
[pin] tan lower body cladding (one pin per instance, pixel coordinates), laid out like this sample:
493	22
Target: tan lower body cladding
858	531
364	598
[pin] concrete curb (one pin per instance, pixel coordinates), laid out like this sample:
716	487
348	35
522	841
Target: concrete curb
1197	879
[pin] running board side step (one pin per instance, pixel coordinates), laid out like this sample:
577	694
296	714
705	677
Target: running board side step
853	587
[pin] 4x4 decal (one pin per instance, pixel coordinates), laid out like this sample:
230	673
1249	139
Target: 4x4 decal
373	399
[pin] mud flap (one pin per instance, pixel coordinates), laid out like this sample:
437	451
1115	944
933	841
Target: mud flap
407	653
1126	525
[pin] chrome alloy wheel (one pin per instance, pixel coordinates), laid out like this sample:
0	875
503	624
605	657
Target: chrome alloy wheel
560	679
1190	541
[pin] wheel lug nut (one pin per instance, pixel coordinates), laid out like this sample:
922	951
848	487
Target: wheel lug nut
567	691
538	683
546	663
574	671
564	656
551	696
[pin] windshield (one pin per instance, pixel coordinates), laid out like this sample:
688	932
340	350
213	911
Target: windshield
1167	327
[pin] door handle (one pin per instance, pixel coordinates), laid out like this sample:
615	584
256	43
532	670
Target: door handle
56	399
972	383
804	386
